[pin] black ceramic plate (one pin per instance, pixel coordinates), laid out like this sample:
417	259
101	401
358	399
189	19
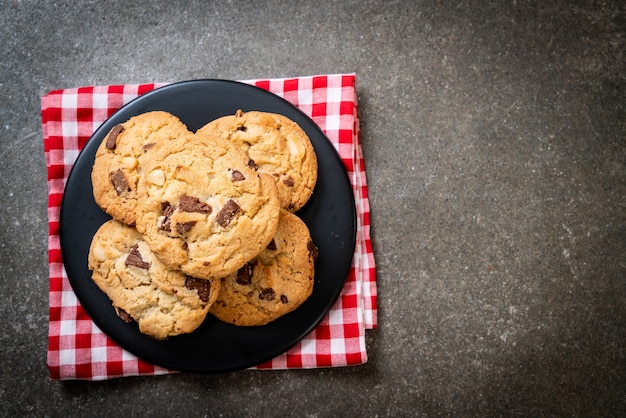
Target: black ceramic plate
215	346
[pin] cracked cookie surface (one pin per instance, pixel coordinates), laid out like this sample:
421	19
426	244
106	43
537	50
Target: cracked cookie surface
202	208
163	302
276	145
275	282
119	160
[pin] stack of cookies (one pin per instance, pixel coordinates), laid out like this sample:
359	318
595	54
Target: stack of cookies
203	222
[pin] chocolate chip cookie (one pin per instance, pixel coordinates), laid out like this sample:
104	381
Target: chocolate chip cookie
163	302
119	159
275	282
276	145
202	208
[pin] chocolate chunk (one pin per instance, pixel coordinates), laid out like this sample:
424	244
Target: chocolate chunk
244	274
119	182
227	213
124	315
289	181
202	286
193	204
185	227
267	294
284	299
242	128
112	138
313	252
167	209
252	164
237	176
146	147
165	221
134	259
272	245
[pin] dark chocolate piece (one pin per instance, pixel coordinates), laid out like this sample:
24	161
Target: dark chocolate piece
134	259
193	204
202	286
289	181
119	182
124	315
185	227
165	222
237	176
267	294
112	138
227	213
244	274
313	252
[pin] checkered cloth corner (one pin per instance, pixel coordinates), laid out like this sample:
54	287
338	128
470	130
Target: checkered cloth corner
77	349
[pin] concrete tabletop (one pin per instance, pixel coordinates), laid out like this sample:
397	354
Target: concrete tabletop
494	137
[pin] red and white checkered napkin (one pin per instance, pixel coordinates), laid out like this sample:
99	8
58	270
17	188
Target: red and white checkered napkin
77	349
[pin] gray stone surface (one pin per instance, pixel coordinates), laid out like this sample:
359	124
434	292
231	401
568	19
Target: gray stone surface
494	135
